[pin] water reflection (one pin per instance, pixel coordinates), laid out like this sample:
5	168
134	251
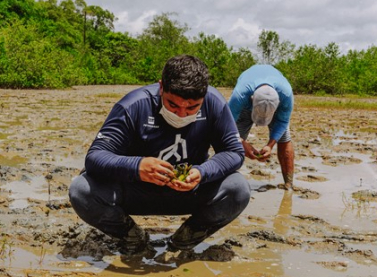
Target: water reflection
281	221
21	192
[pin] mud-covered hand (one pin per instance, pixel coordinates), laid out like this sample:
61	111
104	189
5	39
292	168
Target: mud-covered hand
192	180
155	171
250	151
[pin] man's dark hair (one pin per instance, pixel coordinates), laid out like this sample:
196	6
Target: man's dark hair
185	76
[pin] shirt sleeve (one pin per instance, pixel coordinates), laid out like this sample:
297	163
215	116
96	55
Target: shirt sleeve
244	124
107	156
239	100
229	153
282	118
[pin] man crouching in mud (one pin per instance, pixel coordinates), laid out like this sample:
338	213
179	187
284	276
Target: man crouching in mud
130	166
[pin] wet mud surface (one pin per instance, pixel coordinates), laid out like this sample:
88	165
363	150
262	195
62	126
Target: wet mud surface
325	226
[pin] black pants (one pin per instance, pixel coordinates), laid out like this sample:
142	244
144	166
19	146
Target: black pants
104	205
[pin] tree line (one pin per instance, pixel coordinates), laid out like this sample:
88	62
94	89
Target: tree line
58	44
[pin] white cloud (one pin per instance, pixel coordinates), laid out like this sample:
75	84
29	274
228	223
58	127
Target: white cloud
243	34
351	24
226	5
135	27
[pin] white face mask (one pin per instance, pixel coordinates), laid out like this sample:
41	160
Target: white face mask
176	121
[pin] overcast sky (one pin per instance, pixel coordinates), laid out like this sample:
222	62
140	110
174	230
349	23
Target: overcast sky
351	24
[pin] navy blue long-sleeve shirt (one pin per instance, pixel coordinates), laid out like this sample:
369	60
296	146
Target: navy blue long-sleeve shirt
134	129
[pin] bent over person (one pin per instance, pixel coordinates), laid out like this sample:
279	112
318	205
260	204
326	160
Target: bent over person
129	168
263	96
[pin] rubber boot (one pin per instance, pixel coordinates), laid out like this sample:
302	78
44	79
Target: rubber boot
187	237
135	240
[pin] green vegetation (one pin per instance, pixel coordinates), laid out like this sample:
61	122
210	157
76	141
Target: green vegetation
109	95
2	135
344	102
13	161
181	171
59	44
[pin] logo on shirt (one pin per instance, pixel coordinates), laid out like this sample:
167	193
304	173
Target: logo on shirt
102	136
150	120
199	116
150	123
173	150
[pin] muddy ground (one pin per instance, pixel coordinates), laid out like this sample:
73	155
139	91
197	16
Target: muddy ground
326	226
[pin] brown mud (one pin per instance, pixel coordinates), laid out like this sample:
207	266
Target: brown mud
325	226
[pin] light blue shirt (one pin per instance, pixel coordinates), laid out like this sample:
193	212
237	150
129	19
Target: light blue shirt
253	78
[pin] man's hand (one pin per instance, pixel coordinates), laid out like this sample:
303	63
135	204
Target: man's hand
155	171
265	153
192	180
250	151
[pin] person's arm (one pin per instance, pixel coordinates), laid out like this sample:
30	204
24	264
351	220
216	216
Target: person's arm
229	153
265	152
282	118
244	124
238	101
107	157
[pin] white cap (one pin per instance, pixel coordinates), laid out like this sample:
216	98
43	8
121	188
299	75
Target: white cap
265	102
